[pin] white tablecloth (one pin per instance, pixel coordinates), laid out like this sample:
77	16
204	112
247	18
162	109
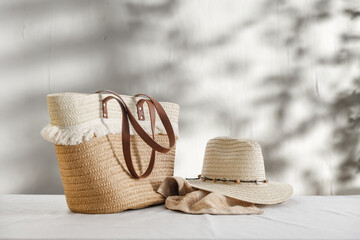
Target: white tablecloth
301	217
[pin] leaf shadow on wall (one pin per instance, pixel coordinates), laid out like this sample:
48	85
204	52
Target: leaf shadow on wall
124	26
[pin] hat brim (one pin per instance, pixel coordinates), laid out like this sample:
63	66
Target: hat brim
262	193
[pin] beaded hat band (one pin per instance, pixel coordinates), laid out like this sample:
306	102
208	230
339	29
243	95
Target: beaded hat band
204	178
241	163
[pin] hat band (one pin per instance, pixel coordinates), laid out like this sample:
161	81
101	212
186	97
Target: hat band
204	178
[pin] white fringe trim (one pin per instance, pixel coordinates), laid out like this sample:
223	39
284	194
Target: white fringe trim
73	135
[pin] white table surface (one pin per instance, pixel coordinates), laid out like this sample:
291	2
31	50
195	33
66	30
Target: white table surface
301	217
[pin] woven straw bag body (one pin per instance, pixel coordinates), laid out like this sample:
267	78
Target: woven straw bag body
97	174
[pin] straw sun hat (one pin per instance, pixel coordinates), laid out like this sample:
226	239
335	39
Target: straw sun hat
235	168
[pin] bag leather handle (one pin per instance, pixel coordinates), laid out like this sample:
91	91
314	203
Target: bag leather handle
127	115
162	115
126	138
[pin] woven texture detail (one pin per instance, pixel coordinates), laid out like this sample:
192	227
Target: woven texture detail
96	179
239	159
233	159
269	193
68	109
76	117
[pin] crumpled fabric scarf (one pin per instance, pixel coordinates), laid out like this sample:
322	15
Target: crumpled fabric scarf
181	196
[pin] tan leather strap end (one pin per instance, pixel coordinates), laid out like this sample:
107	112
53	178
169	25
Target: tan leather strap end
140	109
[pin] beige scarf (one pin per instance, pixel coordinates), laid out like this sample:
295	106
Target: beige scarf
182	197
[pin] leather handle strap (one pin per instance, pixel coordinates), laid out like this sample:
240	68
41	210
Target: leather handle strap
165	121
127	115
163	117
126	137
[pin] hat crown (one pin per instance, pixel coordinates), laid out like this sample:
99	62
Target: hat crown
233	159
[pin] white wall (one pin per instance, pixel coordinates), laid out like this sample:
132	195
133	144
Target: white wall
285	73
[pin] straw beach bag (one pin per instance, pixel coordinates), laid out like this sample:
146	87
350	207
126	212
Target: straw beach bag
109	159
